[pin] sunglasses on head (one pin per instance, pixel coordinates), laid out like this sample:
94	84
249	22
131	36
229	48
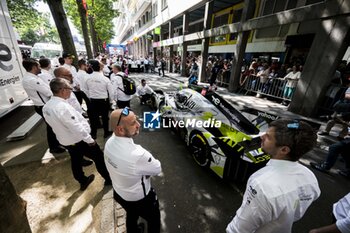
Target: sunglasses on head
125	112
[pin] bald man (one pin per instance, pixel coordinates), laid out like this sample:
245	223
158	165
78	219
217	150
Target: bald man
130	167
64	73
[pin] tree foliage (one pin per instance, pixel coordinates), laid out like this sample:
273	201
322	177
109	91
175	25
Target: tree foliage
102	12
31	25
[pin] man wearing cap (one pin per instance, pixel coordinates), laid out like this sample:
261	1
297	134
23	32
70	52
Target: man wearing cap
100	91
281	192
131	167
68	61
39	92
73	132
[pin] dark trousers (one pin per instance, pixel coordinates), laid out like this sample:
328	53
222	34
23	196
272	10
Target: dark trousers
340	148
123	104
146	68
82	96
147	208
145	97
51	137
98	107
80	149
161	69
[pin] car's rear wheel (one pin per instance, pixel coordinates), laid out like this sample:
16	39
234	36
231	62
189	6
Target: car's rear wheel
200	149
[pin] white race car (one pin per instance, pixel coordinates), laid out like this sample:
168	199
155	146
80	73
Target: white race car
218	135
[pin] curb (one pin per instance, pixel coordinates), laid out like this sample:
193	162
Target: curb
113	216
107	213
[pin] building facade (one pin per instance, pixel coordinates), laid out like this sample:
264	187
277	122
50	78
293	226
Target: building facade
314	32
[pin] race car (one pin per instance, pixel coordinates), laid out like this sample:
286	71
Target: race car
218	135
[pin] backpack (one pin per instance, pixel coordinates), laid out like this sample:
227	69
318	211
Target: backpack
128	84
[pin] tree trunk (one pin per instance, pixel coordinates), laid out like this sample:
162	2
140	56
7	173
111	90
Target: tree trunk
83	21
60	18
100	45
93	36
13	216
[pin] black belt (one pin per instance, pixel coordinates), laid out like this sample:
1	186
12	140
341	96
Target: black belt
106	99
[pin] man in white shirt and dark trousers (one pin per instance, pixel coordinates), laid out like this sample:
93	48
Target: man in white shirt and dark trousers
100	91
130	167
39	92
122	99
73	132
82	77
280	193
144	92
68	64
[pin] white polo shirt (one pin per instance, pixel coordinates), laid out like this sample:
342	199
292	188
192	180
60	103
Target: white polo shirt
99	87
37	90
127	163
73	70
46	76
118	87
341	211
142	90
82	77
69	126
276	196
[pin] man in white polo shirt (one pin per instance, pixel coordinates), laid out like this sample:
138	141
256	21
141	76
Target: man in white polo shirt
39	92
73	132
130	167
280	193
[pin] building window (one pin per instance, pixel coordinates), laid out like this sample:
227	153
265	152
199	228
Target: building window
220	19
154	9
236	17
272	7
164	4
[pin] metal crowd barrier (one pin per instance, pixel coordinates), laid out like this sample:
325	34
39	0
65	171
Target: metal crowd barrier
274	87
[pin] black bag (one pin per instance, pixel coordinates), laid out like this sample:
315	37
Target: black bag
129	85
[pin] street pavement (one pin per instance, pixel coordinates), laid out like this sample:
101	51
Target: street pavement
192	199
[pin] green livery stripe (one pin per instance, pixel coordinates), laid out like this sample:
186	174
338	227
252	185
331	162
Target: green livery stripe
218	170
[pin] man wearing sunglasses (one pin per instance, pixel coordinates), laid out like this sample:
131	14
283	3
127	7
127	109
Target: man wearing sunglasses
73	132
130	167
281	192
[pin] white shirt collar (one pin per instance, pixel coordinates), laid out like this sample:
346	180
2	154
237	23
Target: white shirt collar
280	162
123	139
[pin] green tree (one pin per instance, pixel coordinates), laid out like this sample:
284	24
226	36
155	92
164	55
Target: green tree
48	32
60	18
31	25
29	36
100	13
23	14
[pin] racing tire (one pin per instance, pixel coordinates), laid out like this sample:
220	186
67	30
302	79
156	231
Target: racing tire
153	103
199	149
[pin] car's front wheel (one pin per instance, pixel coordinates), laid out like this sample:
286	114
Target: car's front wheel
200	149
